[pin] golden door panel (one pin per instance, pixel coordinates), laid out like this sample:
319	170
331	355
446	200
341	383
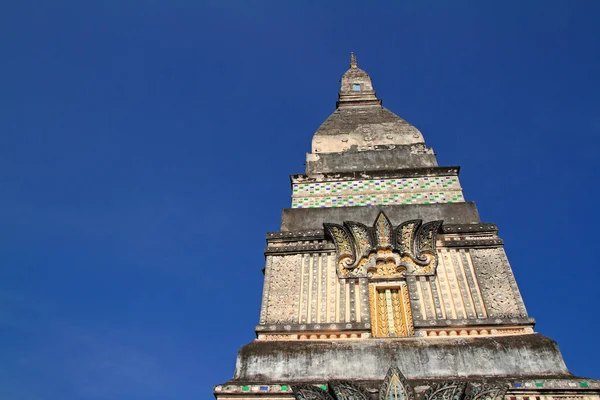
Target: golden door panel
390	311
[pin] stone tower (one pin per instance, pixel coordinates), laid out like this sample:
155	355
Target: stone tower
383	282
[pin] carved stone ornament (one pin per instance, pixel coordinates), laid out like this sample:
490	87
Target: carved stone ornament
451	390
498	287
486	391
395	386
344	390
380	250
310	392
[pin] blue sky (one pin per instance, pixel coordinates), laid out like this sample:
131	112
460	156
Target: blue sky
145	149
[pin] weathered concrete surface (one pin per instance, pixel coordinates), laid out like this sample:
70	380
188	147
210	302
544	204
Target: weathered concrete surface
416	156
505	356
296	219
362	128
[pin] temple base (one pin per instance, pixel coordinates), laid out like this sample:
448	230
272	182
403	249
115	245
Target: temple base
521	356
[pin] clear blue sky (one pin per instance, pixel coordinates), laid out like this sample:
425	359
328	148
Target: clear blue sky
145	150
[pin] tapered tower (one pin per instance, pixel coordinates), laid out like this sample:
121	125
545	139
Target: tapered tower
383	282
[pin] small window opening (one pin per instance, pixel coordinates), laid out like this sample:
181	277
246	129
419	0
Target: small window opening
356	87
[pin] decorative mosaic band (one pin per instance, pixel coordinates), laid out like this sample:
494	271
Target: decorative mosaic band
515	386
423	190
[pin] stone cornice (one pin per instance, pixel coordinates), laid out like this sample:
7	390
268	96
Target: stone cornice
318	234
403	173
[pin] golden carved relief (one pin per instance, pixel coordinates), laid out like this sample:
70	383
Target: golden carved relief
399	326
408	312
372	302
382	320
390	311
383	232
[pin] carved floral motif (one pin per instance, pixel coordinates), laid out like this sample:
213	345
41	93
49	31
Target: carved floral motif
310	392
395	386
383	229
451	390
383	251
348	391
344	244
495	278
284	294
486	391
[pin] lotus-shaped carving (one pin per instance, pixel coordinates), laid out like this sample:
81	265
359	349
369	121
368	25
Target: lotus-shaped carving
381	250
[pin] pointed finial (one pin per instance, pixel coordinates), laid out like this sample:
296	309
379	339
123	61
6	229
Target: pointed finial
353	63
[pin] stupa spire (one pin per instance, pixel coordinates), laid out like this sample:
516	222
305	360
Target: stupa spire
353	63
356	87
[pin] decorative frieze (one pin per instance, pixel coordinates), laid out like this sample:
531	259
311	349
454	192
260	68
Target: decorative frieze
368	192
474	243
474	331
325	327
308	248
305	289
528	389
448	230
310	392
485	390
282	236
315	336
466	228
283	284
450	390
497	283
479	322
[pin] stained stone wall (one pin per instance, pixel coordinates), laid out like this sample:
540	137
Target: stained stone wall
383	159
299	219
318	361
